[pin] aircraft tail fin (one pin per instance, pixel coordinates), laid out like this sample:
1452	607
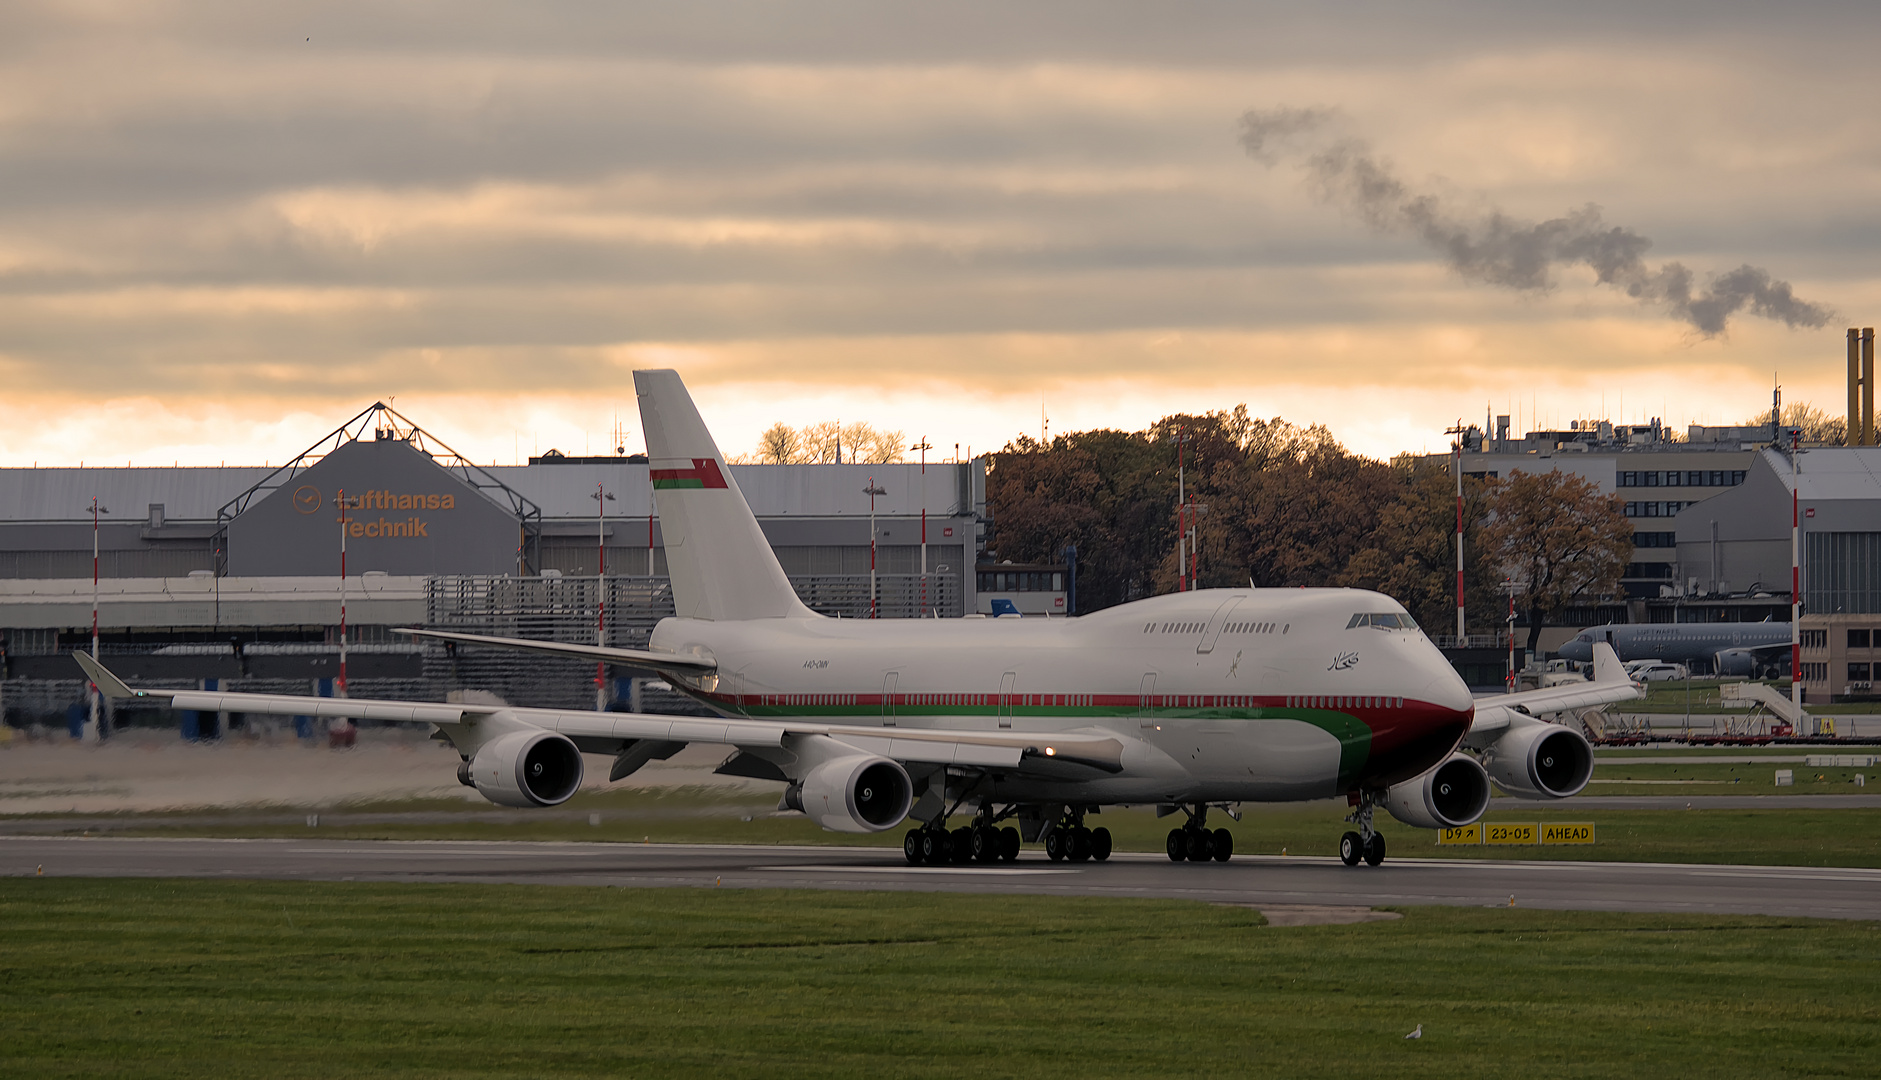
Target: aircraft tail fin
722	568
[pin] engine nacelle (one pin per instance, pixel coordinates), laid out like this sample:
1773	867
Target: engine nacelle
860	793
527	769
1534	760
1453	794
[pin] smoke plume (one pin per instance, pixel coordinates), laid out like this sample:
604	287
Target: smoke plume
1497	249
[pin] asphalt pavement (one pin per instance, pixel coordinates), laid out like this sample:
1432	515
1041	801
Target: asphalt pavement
1257	881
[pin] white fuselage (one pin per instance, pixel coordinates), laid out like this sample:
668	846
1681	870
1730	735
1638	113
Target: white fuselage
1217	695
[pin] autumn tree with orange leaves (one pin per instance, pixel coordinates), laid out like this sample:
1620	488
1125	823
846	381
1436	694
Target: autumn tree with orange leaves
1560	542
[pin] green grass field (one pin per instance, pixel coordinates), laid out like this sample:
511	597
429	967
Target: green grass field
277	979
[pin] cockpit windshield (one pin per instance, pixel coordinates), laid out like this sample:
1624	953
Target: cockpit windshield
1382	621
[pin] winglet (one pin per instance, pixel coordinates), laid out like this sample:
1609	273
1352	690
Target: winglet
1607	666
108	684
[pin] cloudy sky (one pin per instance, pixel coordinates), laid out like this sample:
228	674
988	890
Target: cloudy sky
226	227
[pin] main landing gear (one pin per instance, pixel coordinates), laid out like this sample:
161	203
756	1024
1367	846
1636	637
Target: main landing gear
1367	843
1069	839
981	842
1194	843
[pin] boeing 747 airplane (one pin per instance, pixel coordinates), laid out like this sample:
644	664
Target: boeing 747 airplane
1193	702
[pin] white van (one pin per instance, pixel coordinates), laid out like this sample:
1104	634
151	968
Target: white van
1659	672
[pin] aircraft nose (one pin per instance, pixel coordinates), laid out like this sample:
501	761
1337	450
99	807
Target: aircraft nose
1447	690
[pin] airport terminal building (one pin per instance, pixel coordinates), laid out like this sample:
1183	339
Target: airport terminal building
236	573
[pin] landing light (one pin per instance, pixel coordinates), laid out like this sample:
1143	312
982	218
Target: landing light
1050	752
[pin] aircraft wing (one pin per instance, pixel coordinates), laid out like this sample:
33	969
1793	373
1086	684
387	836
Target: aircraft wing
609	732
1610	684
633	658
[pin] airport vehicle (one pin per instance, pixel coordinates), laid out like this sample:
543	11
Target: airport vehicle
1659	671
1755	649
1192	702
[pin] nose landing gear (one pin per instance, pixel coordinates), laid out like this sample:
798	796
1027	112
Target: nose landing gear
1367	843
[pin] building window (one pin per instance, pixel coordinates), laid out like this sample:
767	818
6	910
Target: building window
1655	539
1815	639
1860	639
1858	672
1651	570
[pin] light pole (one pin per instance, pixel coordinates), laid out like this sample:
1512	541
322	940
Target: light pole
601	499
1462	630
924	447
92	733
346	526
1796	572
872	491
1182	436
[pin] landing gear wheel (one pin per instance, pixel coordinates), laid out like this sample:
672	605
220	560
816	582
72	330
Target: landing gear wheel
1009	844
1197	843
911	846
1177	846
1375	850
1351	849
1078	845
1100	844
985	844
934	846
961	847
1223	846
1055	844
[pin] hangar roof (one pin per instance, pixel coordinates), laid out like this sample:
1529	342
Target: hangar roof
187	494
1832	473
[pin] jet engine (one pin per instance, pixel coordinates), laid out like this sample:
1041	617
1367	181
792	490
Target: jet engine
860	793
1534	760
1452	794
525	768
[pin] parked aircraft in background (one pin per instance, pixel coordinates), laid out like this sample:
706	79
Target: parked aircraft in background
1191	702
1734	648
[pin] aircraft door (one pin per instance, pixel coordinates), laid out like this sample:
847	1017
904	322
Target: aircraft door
889	682
1146	701
1005	697
1216	622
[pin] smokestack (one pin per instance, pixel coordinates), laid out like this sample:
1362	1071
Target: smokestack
1853	438
1867	386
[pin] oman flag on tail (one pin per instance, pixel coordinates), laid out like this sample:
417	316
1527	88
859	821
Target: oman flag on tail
703	474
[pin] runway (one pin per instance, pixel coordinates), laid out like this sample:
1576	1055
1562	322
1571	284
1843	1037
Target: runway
1251	880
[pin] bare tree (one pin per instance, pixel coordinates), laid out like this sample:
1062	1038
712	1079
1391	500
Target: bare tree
829	442
1818	426
780	445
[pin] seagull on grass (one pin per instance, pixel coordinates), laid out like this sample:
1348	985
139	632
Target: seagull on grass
1418	1034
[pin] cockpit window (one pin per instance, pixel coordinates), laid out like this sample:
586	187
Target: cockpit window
1384	621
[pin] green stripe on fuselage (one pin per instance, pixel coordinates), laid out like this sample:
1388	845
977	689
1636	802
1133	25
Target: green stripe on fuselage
678	482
